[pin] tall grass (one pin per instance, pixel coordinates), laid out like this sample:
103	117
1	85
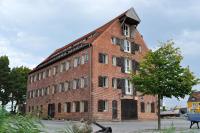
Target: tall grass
18	124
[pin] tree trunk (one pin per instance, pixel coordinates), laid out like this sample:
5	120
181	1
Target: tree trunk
159	123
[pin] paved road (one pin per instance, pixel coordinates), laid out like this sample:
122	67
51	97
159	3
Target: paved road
129	126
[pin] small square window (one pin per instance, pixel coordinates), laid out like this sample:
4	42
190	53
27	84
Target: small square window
103	81
103	58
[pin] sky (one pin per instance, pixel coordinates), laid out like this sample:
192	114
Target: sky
30	30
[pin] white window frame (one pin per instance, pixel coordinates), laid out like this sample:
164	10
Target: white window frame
114	83
105	82
82	82
55	70
105	58
82	106
114	61
128	87
83	59
66	85
65	107
74	84
76	62
148	107
73	109
67	65
114	40
128	65
126	30
63	67
127	46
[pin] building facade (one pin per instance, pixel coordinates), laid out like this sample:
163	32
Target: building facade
89	78
193	103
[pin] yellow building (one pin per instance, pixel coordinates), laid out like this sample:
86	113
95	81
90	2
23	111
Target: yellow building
193	103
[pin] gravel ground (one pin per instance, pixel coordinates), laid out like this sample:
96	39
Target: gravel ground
133	126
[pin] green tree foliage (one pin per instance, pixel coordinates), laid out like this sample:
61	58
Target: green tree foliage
161	74
4	78
18	84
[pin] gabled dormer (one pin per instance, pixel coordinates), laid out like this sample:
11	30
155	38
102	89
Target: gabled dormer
129	22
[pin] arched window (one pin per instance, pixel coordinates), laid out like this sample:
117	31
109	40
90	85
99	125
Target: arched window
59	107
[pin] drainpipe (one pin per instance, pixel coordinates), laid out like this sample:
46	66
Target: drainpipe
90	85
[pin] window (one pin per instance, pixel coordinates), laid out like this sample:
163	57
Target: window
63	67
73	107
59	107
86	82
66	86
39	78
84	106
32	108
103	81
82	59
86	58
44	74
48	90
77	106
67	107
127	46
67	65
54	89
102	105
152	107
114	61
45	91
40	91
82	82
61	87
142	107
103	58
114	83
128	65
48	72
42	94
148	107
75	84
128	87
126	30
55	70
76	61
114	40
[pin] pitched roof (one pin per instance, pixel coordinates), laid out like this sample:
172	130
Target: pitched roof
194	97
90	37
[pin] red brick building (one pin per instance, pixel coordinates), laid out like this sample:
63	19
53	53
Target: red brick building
89	78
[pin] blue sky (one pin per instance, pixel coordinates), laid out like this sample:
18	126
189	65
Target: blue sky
30	30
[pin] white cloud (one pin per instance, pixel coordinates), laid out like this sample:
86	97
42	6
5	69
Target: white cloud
16	56
189	42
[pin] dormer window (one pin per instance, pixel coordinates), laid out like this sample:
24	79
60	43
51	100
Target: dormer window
126	30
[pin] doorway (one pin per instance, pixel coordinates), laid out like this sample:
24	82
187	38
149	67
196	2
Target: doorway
114	109
51	110
129	109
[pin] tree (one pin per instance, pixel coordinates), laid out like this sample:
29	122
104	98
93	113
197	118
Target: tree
18	85
4	78
161	75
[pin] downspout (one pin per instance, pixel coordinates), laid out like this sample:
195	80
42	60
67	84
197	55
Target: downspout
90	86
